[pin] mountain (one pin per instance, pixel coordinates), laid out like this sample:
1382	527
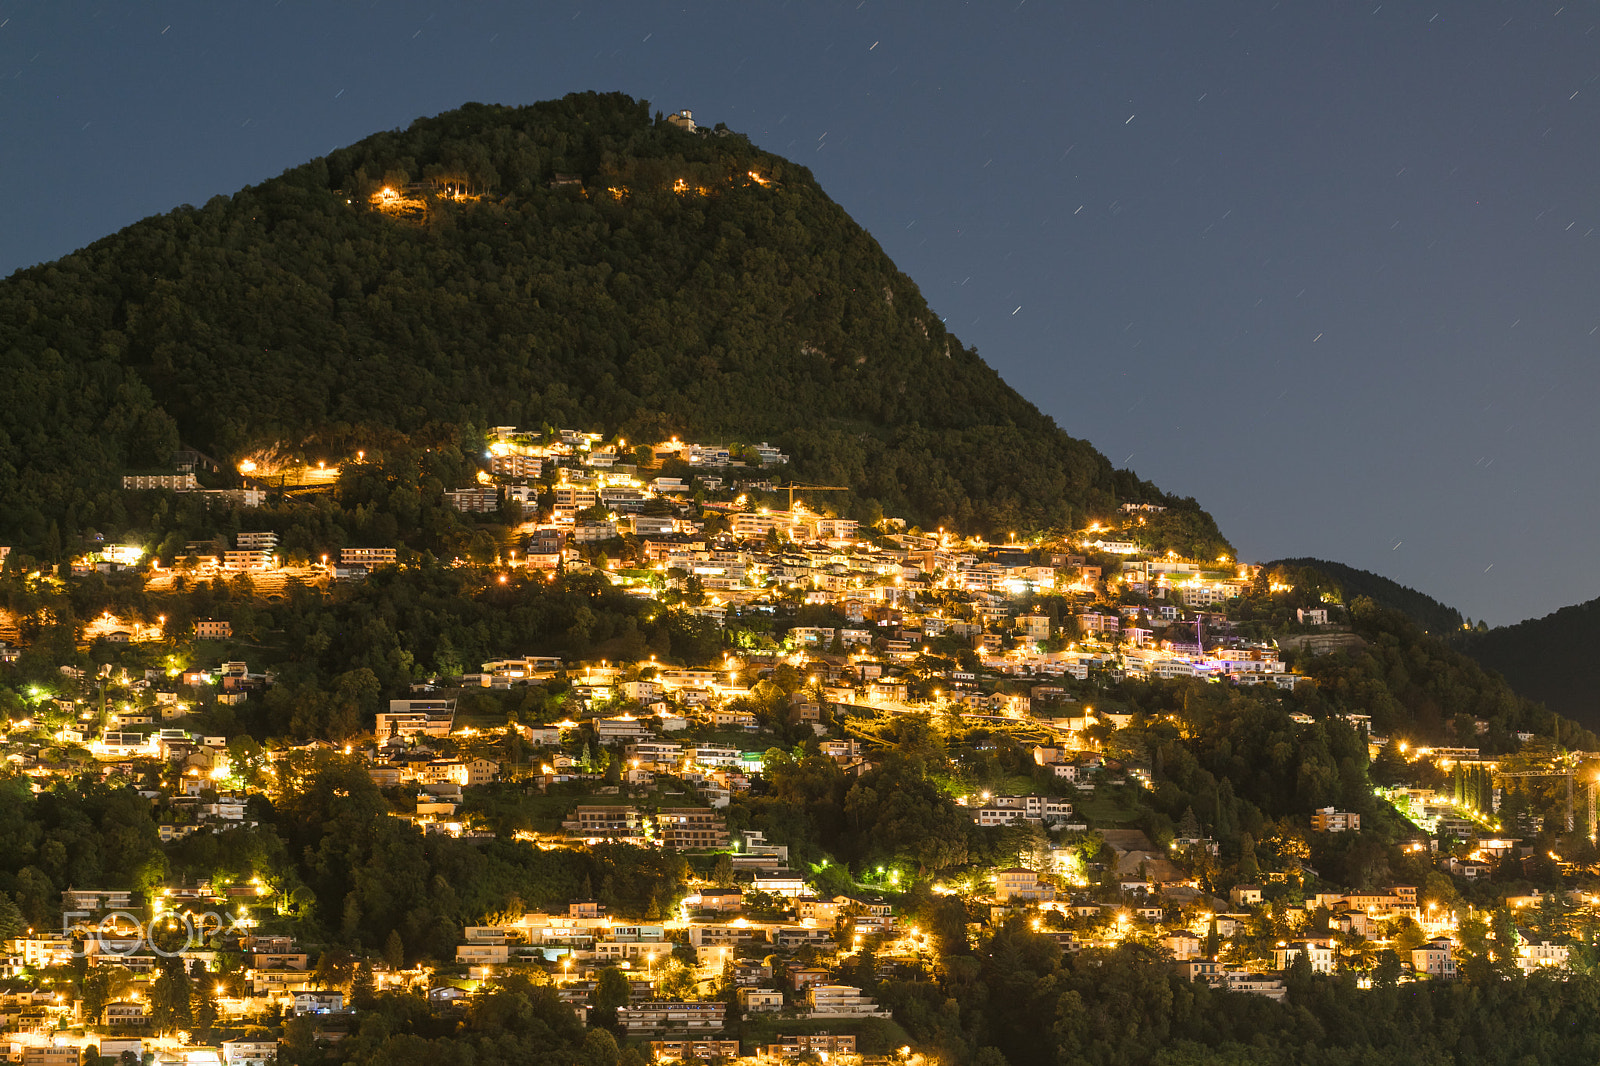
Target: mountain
574	263
1345	583
1549	659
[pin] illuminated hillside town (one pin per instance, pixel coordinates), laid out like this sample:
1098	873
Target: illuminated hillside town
704	786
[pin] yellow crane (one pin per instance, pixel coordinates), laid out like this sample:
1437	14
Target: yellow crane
1569	767
810	488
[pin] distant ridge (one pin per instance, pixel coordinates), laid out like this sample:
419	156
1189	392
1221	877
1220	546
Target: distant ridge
1551	659
1349	582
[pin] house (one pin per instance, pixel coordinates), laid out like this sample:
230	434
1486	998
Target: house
318	1002
1200	970
213	629
1003	810
729	719
622	727
249	1052
1245	895
1319	952
1434	959
759	1000
768	455
483	954
95	900
446	996
1543	955
633	942
718	900
280	960
1183	944
124	1015
1020	884
803	977
751	974
1255	984
112	1048
779	882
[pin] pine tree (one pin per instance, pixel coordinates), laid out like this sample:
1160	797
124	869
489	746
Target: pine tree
1249	870
169	997
11	920
363	986
394	950
204	1003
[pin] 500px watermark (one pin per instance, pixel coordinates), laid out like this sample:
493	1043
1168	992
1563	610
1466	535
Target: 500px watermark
121	934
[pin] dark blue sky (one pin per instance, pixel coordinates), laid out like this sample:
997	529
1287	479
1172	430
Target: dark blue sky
1329	268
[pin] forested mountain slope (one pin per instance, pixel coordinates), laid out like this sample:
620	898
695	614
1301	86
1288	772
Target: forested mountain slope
573	263
1345	583
1550	659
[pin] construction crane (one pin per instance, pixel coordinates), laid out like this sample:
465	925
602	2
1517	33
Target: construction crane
1570	772
810	488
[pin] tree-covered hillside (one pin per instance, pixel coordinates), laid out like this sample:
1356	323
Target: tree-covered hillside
573	263
1549	659
1343	584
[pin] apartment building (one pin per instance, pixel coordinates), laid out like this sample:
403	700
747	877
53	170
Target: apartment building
684	828
664	1014
174	482
368	557
256	541
841	1001
827	1046
1329	820
605	821
474	500
528	466
409	718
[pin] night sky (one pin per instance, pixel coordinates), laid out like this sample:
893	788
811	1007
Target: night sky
1328	268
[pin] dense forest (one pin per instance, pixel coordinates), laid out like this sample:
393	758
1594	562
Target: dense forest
1544	659
1342	584
573	263
1549	659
